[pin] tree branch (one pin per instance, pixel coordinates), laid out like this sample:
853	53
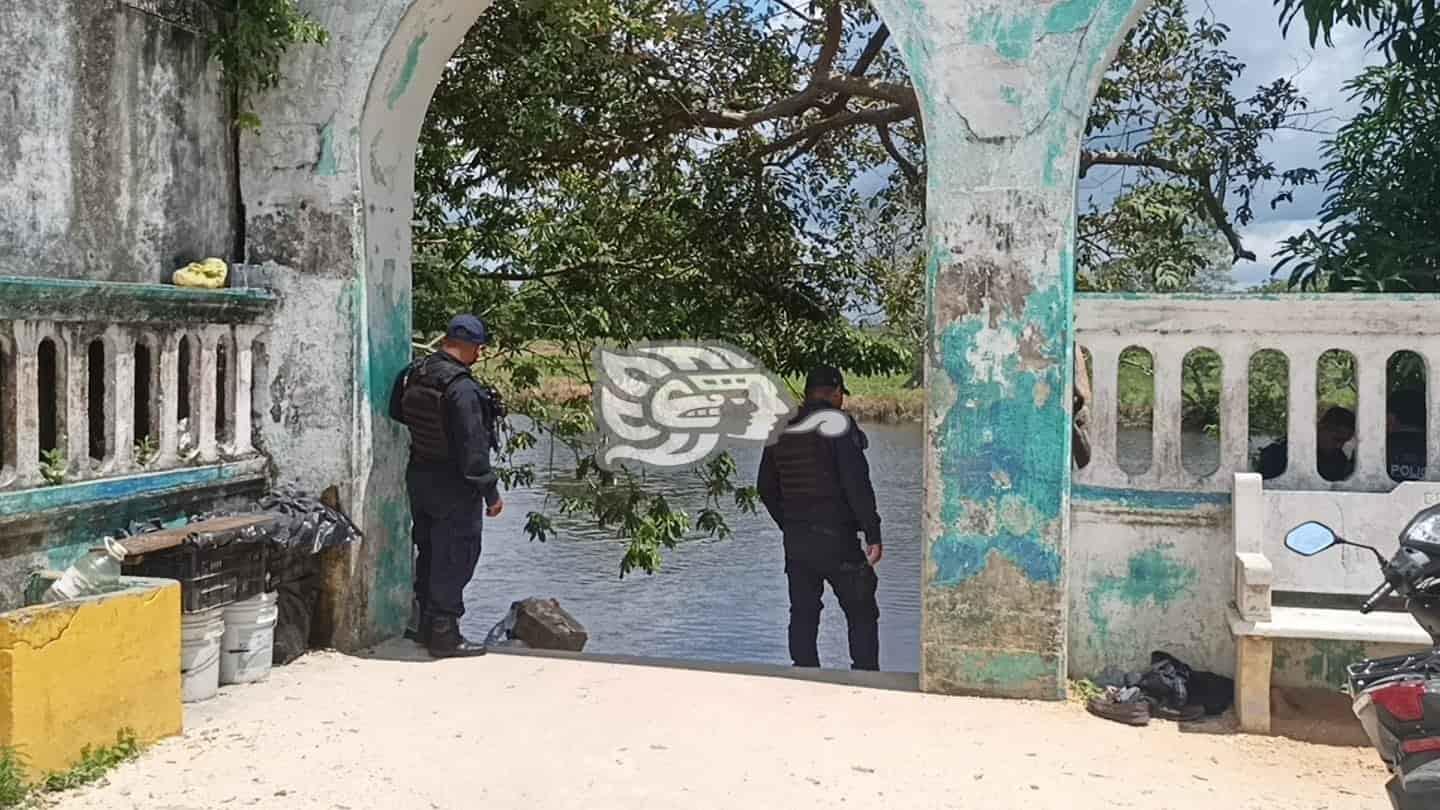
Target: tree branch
911	173
901	95
1213	207
882	115
872	51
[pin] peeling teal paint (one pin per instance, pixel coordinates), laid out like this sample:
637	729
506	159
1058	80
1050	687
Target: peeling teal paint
34	501
385	299
327	165
1151	575
983	27
1001	451
1328	663
1010	95
1070	16
1150	499
1054	172
389	338
59	558
407	71
1012	35
393	568
1006	669
123	302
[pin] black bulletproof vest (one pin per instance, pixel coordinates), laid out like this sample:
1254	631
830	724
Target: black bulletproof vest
423	406
809	482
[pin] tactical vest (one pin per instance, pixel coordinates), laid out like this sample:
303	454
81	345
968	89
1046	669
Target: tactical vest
423	406
809	481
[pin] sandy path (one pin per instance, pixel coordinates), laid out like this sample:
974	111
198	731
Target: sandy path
532	733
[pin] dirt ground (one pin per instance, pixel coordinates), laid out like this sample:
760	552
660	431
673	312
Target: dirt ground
533	733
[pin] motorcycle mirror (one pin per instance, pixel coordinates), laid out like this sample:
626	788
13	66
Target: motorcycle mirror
1309	539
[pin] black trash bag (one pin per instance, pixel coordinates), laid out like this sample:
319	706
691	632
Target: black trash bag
1167	681
307	525
296	602
1173	684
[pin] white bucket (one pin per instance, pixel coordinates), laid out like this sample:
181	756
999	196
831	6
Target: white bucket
200	654
248	648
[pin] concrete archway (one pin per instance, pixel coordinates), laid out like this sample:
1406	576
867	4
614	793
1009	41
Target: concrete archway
1004	85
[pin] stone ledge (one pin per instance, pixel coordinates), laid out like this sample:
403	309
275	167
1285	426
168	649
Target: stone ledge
94	507
46	499
69	300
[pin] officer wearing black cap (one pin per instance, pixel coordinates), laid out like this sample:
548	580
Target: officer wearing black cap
451	484
817	489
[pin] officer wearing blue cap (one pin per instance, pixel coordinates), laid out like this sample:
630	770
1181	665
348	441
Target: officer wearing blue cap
817	489
451	484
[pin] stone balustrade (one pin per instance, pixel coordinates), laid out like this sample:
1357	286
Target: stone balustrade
1236	328
101	380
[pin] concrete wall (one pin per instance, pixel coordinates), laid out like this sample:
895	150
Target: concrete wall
1152	551
1149	572
1155	571
116	159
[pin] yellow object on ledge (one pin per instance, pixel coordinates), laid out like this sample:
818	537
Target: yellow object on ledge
75	673
207	275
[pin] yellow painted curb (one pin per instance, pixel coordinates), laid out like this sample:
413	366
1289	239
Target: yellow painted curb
74	674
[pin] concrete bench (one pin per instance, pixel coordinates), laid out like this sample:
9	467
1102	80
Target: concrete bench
1263	566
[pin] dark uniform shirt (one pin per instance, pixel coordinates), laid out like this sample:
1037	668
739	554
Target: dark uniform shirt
838	500
468	473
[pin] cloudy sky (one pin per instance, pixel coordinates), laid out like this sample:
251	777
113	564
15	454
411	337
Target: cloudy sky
1320	74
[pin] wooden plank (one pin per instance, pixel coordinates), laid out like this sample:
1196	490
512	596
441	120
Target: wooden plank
170	538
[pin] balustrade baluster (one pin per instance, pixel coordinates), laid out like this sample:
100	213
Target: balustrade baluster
121	408
1234	410
168	397
73	356
209	366
1371	470
1169	359
1300	470
27	404
243	374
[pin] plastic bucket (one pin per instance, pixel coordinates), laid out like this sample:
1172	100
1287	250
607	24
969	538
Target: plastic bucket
247	650
200	635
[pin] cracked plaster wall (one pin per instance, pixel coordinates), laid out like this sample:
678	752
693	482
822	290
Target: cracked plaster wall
115	149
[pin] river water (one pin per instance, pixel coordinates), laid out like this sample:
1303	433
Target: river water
713	600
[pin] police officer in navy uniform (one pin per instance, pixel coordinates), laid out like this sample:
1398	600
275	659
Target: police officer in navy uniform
817	489
451	485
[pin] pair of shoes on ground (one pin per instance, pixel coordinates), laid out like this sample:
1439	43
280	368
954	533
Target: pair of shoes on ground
1129	706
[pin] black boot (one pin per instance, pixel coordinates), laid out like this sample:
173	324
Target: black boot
446	642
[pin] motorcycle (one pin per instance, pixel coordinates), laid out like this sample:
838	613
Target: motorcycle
1397	699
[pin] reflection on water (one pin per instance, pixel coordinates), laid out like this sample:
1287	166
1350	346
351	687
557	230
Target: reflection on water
714	600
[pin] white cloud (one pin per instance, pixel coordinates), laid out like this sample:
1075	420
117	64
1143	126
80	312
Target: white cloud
1265	238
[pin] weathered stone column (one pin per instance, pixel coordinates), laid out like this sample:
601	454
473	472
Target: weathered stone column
1004	87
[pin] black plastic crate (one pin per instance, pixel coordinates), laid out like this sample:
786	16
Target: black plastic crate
210	575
